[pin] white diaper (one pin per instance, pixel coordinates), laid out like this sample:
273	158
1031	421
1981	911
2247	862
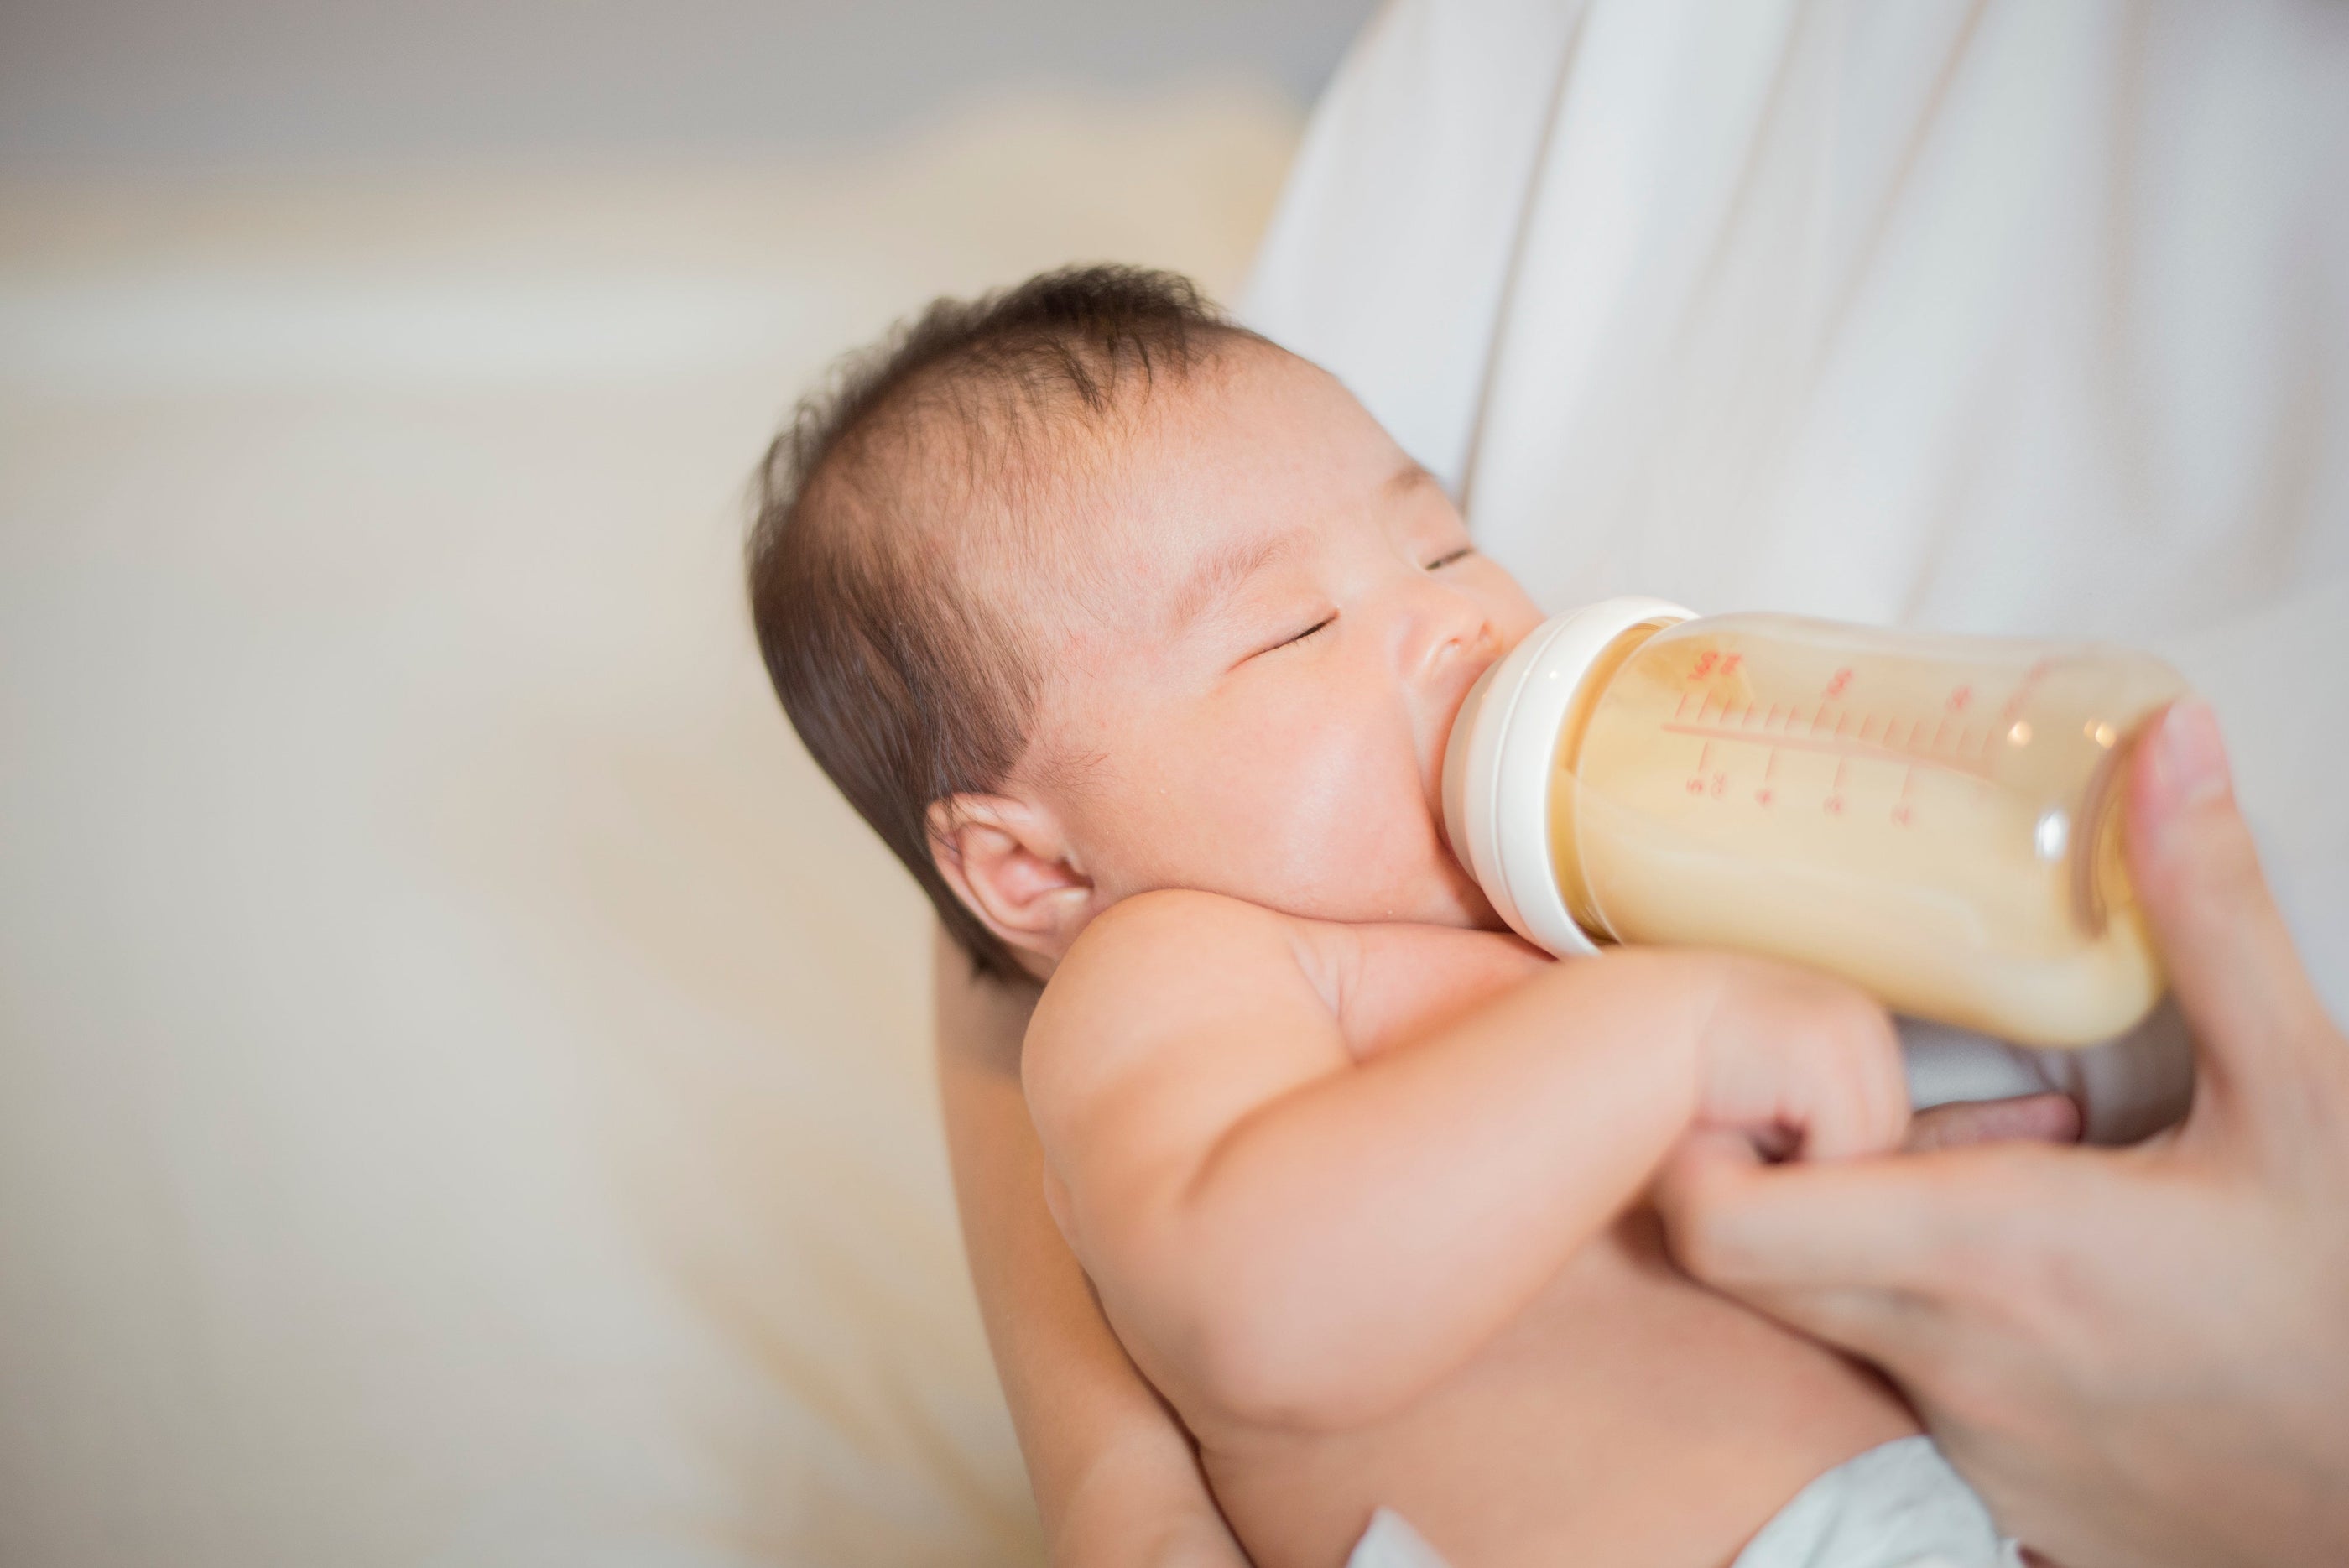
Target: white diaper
1898	1506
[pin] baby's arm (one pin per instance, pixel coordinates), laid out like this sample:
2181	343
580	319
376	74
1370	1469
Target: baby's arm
1292	1237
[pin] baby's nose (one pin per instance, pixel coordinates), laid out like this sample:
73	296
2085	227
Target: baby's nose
1452	640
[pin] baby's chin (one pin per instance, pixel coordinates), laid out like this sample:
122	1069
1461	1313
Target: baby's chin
1442	895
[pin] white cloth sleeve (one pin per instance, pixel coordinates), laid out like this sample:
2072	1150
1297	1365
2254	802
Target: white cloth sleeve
1389	257
1991	317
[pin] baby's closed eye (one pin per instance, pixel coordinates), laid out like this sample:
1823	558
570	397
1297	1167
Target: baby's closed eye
1322	624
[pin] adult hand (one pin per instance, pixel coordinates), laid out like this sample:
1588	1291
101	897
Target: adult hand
2138	1356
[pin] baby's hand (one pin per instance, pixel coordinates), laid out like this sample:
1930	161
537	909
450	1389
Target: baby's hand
1803	1065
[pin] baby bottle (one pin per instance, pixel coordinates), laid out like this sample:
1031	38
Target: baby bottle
1934	818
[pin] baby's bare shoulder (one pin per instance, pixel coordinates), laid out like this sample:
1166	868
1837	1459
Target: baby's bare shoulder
1188	940
1170	986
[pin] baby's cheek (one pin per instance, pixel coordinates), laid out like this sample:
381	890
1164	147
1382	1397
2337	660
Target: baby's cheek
1352	827
1311	808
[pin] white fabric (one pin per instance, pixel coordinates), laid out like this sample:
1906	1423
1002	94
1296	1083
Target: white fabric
466	1095
1898	1505
2000	316
1392	1543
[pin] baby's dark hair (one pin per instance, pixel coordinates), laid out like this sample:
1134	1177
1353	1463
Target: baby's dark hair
905	688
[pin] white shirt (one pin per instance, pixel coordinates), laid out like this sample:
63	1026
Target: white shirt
2012	317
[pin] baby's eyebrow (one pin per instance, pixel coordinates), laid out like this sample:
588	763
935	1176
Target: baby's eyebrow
1223	570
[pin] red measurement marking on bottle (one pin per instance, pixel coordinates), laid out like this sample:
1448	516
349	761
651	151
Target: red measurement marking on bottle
1842	718
1858	748
1704	665
1835	687
2031	679
1901	815
1720	785
1960	698
1835	805
1696	785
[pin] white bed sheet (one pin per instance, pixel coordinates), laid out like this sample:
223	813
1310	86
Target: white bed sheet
463	1080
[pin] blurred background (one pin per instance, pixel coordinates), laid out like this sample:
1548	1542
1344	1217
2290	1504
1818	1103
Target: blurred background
464	1093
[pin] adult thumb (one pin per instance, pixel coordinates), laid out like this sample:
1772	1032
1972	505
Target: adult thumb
2260	1030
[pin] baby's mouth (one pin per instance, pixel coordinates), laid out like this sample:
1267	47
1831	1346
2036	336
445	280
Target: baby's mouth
1446	776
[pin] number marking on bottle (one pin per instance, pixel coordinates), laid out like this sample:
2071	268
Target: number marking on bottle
1836	686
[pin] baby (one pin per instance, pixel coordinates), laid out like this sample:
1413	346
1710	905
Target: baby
1138	640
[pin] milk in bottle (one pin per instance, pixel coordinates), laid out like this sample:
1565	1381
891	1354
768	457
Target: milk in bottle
1935	818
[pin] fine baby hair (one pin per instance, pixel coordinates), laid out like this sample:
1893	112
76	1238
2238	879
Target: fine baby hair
919	455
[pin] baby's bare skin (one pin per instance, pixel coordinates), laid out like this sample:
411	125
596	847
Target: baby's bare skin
1619	1413
1358	1183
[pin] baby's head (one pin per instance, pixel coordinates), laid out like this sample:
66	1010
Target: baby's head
1079	590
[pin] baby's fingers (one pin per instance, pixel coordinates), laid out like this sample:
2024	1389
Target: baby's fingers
1857	1096
1800	1062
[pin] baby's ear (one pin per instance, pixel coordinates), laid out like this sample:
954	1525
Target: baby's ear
1011	865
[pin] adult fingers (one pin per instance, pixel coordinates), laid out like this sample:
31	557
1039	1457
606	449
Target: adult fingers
1883	1222
2261	1036
2037	1118
1861	1252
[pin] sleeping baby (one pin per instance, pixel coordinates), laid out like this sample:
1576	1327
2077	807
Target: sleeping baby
1138	640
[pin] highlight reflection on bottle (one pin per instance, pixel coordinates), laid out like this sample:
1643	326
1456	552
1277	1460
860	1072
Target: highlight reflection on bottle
1934	818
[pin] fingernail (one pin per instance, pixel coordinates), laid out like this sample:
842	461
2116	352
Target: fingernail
2189	758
